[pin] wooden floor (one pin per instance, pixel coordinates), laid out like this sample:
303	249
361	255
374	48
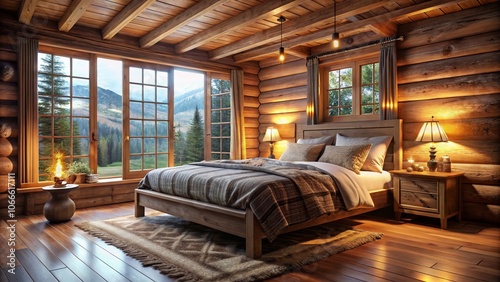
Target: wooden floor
412	250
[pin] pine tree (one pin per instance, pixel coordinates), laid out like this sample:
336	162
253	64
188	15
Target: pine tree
194	141
179	147
53	100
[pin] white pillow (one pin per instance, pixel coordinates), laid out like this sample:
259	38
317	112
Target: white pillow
376	157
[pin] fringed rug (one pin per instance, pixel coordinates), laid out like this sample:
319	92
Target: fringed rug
190	252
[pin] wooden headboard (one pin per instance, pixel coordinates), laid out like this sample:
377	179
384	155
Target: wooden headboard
394	156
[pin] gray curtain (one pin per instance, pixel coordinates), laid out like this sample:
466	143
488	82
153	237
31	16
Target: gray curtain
313	109
238	143
388	81
28	110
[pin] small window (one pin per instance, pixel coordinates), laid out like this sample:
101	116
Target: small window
351	91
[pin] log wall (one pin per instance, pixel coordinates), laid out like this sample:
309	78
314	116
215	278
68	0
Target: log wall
8	109
251	108
448	67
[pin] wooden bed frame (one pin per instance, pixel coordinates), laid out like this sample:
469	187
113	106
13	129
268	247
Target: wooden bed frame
243	223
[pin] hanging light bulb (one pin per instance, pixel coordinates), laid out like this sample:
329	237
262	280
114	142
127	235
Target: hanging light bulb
335	35
282	54
281	57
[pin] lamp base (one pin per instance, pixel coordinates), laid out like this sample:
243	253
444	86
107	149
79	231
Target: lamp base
271	150
432	164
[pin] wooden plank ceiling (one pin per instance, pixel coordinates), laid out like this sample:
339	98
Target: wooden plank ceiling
243	30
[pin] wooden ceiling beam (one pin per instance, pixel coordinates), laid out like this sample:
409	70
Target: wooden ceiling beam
301	24
260	12
362	24
383	29
179	21
73	14
27	10
125	16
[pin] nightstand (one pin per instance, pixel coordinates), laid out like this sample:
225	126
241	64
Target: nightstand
432	194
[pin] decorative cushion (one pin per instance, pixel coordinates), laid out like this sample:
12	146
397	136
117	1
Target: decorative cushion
302	152
350	157
376	157
326	140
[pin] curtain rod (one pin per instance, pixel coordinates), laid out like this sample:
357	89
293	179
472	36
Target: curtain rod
370	44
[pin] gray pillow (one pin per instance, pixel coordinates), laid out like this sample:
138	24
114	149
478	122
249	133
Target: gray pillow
295	152
350	157
326	140
376	157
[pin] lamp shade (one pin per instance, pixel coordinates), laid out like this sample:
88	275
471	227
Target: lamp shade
432	131
272	135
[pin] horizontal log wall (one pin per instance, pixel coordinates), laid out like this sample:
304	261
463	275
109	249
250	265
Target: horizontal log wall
8	108
448	67
251	108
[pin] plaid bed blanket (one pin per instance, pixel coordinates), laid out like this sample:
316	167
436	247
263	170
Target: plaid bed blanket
279	193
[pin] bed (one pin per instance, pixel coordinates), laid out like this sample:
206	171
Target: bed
244	223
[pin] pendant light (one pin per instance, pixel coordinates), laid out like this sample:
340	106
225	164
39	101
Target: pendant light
335	35
281	57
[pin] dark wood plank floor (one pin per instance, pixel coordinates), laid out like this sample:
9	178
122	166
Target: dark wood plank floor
415	249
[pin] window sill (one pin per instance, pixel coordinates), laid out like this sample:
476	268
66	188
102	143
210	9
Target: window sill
102	182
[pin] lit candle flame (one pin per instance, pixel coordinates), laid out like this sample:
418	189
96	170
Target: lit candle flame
59	168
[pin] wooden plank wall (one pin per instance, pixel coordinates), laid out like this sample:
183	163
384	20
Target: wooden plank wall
449	67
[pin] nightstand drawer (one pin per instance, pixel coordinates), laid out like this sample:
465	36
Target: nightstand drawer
420	186
419	201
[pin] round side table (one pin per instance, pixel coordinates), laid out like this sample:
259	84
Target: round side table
60	207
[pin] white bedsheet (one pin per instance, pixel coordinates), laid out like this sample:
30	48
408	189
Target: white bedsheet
355	188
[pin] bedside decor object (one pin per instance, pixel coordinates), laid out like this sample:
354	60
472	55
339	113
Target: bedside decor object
272	135
60	207
432	132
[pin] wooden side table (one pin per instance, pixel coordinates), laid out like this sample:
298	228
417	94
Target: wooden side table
60	207
432	194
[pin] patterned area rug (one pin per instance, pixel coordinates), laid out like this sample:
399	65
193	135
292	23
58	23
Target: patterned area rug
190	252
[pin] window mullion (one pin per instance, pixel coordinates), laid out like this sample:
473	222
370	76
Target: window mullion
93	113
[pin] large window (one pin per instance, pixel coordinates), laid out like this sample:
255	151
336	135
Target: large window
118	116
351	90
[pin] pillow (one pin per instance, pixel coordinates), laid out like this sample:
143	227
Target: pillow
350	157
326	140
302	152
376	157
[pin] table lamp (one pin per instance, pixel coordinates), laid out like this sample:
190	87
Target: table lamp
272	135
432	132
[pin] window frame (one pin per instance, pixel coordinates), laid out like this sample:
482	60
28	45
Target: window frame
93	57
208	111
355	64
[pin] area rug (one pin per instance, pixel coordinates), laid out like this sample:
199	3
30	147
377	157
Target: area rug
187	251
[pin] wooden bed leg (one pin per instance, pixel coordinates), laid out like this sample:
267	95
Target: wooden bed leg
139	210
253	236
